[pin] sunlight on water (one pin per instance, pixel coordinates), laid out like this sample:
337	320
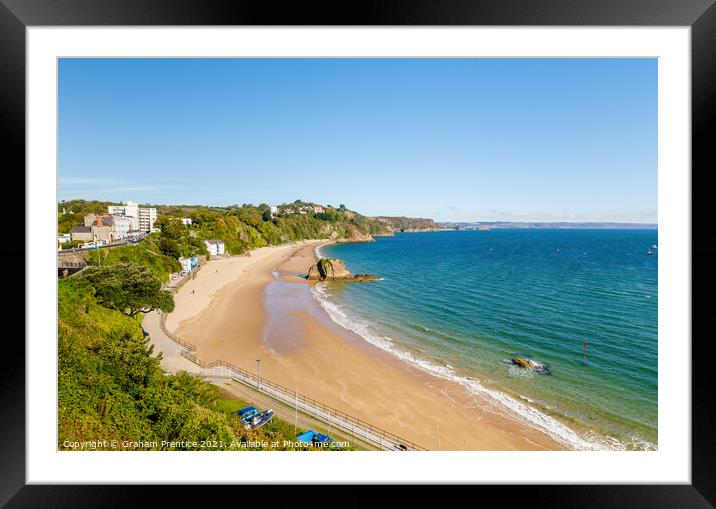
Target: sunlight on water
462	304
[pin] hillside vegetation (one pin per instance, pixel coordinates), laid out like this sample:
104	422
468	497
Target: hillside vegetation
146	253
111	387
408	223
246	227
110	383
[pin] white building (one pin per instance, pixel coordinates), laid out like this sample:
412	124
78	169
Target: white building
147	217
130	210
273	209
141	218
121	226
215	247
189	264
186	221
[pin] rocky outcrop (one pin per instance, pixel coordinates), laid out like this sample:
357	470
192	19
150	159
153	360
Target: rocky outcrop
360	278
522	362
332	269
355	235
409	224
328	268
530	364
352	234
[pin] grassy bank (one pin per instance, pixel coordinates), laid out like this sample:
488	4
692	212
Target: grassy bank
146	253
112	388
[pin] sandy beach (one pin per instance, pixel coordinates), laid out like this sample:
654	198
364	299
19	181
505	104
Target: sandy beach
221	272
246	308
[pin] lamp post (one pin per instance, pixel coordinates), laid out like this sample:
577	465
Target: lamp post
258	375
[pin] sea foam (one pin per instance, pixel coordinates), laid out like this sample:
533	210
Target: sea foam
523	412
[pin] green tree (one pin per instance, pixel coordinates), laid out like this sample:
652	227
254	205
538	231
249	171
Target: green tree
172	229
169	247
129	288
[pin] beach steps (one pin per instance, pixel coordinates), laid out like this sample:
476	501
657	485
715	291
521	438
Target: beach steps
336	419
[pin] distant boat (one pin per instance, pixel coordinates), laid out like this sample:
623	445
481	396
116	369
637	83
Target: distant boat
650	252
653	246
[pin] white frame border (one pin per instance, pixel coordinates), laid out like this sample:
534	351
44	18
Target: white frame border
670	464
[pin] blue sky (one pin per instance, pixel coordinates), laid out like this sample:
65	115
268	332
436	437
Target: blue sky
450	139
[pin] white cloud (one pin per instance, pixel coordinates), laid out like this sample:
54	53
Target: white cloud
81	181
105	190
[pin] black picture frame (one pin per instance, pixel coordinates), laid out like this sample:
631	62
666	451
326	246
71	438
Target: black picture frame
700	15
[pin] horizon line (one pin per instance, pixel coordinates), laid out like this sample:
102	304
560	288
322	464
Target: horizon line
475	221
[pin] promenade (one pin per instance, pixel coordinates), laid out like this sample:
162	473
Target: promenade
178	357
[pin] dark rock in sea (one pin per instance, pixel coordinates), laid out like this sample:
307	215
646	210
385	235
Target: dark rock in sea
332	269
522	362
530	364
365	277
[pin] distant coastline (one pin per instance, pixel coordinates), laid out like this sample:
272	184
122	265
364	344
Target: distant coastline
488	225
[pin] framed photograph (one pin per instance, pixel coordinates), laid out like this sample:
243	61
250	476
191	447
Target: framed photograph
446	245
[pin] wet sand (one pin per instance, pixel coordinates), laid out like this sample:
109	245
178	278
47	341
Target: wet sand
263	310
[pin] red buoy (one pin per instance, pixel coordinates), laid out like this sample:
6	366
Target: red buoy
585	353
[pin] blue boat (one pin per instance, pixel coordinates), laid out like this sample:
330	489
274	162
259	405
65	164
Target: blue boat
247	413
258	419
306	437
313	436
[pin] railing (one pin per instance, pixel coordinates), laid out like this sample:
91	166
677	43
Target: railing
351	425
63	264
163	316
110	245
172	336
348	424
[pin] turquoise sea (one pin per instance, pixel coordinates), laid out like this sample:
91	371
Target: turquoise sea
460	304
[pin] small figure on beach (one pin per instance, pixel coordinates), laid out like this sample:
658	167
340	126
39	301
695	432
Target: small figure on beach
192	291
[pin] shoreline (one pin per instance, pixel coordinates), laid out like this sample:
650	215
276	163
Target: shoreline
261	309
569	434
215	276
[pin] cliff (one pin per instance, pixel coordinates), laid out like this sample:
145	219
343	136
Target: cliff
353	234
409	224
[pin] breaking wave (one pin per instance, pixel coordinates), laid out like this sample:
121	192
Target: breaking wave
525	413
